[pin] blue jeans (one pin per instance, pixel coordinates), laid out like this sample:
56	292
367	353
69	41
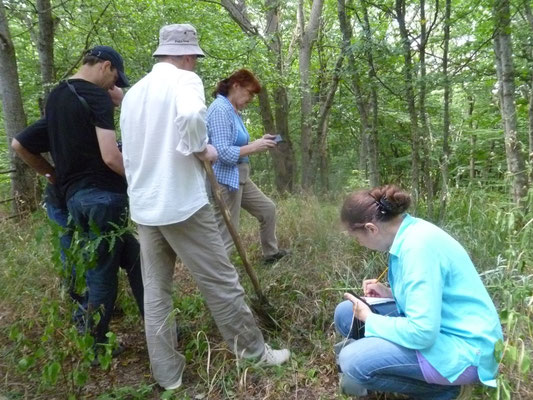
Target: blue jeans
95	211
379	365
59	215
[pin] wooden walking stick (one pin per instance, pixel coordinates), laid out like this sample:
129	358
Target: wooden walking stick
262	307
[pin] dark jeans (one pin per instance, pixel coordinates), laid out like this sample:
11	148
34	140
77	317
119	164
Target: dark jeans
376	364
98	212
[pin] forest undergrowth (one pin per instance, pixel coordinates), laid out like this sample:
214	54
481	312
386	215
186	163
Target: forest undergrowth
42	356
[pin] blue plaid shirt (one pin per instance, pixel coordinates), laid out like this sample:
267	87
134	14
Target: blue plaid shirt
222	133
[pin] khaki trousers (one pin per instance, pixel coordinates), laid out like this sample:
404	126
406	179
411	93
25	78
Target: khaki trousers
253	200
197	243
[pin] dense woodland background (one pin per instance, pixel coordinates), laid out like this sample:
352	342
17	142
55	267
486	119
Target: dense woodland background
436	96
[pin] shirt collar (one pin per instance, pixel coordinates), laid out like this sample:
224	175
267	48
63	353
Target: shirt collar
400	235
225	99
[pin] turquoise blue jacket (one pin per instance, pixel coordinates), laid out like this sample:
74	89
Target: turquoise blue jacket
449	316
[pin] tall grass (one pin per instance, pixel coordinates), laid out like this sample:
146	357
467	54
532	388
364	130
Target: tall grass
303	288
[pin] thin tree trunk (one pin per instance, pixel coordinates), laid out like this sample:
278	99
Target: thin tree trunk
529	17
323	162
45	45
373	138
283	157
322	125
473	139
505	72
355	84
410	98
23	179
425	137
446	115
308	34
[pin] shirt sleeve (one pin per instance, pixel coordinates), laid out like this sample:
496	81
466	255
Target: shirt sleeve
221	135
190	117
422	288
35	137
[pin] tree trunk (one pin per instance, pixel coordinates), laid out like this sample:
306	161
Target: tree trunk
505	72
322	126
410	98
45	45
355	84
23	179
373	138
283	157
473	139
283	176
425	139
445	159
308	36
529	17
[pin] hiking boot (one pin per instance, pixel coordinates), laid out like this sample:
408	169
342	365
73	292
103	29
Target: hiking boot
271	259
273	357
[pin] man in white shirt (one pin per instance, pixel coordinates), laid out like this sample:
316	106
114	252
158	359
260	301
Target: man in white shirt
164	143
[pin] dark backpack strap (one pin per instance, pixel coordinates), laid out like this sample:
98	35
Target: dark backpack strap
81	99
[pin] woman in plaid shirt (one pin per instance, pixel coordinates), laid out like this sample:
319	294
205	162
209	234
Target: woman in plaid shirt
228	134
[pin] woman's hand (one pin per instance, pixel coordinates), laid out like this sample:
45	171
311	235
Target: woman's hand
372	288
264	144
360	309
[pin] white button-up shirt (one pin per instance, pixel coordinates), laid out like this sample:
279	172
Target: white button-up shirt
162	121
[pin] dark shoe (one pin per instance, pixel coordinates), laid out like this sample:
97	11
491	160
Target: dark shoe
100	349
276	257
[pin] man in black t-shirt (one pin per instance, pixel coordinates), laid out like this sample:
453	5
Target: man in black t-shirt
30	144
89	174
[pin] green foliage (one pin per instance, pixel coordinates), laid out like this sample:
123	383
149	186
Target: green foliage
43	350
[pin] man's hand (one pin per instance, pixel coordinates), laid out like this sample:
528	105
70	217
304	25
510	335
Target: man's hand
372	288
360	309
116	94
209	154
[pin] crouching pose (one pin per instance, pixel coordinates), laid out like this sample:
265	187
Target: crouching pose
445	328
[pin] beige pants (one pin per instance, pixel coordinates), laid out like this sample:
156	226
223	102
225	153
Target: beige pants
253	200
197	243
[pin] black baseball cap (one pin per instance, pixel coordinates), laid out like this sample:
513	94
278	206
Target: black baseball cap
110	54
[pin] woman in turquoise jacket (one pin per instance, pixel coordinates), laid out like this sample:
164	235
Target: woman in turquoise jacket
443	334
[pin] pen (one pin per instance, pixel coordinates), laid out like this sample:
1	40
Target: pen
382	274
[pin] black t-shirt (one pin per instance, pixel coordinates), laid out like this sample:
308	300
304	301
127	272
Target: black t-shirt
35	139
72	137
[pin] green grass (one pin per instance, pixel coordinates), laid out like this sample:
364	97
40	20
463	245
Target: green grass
41	358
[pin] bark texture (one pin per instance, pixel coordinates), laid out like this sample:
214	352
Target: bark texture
23	179
505	72
308	36
283	156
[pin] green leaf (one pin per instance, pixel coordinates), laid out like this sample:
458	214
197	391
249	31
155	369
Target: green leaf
51	373
25	363
80	377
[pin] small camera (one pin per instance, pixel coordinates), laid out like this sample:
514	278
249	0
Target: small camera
278	139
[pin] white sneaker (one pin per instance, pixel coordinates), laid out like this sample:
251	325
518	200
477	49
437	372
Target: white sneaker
174	385
272	357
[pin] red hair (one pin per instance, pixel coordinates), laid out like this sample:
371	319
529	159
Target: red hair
243	77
